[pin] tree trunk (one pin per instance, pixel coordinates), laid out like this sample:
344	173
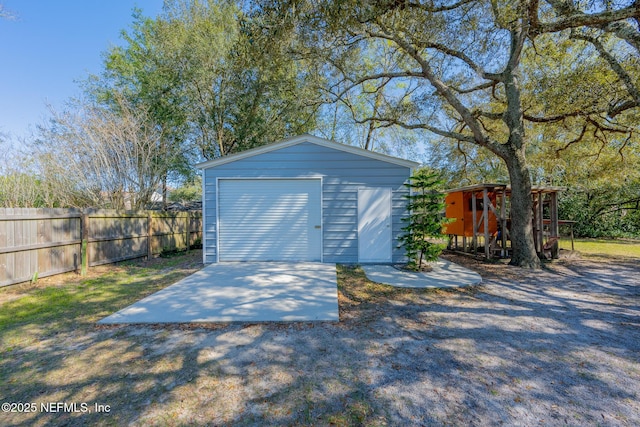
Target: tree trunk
513	153
521	232
164	192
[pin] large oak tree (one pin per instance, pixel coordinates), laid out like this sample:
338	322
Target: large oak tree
459	73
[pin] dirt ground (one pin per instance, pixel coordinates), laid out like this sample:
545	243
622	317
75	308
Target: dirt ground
554	347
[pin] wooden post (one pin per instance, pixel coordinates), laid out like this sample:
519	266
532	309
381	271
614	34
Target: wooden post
485	213
555	228
536	235
572	246
541	222
503	222
474	240
188	219
84	250
149	231
535	220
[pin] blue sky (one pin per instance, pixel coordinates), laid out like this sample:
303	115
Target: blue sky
49	47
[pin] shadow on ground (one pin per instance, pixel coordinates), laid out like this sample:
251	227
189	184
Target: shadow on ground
555	347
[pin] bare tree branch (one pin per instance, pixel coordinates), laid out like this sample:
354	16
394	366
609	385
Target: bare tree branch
573	141
465	58
389	121
474	88
377	76
98	157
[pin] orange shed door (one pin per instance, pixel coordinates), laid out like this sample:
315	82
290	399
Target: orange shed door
455	212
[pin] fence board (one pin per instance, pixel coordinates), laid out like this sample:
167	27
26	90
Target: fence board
116	236
48	241
195	229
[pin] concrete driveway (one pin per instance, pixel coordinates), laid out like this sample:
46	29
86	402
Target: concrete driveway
242	292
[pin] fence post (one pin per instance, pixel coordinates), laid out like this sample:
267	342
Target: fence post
188	219
149	231
84	250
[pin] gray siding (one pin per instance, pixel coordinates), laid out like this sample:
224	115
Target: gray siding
342	174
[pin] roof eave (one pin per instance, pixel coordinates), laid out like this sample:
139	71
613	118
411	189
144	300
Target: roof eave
306	138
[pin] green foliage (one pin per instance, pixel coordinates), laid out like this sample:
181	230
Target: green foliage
20	190
609	211
493	77
423	236
464	164
190	191
213	76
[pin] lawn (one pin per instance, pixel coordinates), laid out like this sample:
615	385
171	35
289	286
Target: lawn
613	248
66	302
553	347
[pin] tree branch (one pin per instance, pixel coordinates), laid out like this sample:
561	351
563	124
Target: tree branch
556	118
621	29
488	115
465	58
445	91
627	105
574	141
626	142
601	127
474	89
581	19
377	76
395	122
533	13
615	66
435	9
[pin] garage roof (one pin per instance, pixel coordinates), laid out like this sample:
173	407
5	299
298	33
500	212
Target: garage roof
313	140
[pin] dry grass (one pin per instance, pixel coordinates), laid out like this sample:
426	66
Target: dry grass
554	347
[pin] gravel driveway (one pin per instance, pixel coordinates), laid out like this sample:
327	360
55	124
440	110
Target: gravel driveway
557	347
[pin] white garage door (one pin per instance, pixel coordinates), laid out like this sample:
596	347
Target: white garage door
269	220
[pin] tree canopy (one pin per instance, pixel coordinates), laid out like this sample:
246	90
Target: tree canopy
529	91
210	73
499	75
206	79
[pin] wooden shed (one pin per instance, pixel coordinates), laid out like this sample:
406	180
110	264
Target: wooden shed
480	219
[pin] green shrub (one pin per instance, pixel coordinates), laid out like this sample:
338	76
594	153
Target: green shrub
422	238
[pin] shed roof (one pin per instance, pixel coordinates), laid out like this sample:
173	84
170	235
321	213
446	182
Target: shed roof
504	187
476	187
310	139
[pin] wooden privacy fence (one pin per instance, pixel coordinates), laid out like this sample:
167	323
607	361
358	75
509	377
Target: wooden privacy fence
43	242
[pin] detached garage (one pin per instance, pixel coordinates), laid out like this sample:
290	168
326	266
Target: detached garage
304	199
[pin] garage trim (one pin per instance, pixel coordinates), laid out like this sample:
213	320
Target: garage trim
317	178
